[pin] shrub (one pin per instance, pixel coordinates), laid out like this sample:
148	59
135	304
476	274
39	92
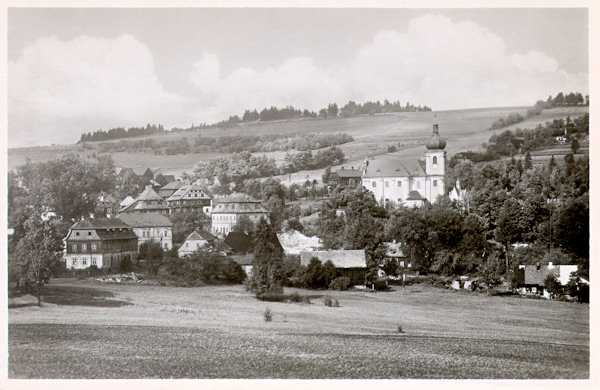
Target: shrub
125	265
327	301
268	315
272	297
340	283
295	297
380	285
400	329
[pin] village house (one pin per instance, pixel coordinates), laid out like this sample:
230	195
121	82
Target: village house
346	177
196	240
408	182
189	198
100	242
151	227
227	211
350	263
531	278
147	202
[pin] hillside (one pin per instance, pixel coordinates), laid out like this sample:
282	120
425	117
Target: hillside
463	129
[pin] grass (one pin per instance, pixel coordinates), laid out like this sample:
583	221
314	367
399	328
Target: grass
220	332
463	129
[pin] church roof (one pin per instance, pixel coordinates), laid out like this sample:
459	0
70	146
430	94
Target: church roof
414	195
394	167
435	141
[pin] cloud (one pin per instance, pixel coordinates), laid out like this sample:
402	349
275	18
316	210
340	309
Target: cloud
58	90
436	61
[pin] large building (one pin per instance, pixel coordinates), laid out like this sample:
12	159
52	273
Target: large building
409	182
189	198
150	227
147	202
227	211
100	242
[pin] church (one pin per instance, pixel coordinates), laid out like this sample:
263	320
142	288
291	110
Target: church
409	182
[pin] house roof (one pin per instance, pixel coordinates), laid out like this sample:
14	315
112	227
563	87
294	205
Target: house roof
100	223
391	166
414	195
237	197
200	236
536	275
243	259
348	173
146	220
148	194
173	185
186	189
127	201
339	258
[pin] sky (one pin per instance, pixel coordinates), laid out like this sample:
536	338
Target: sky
76	70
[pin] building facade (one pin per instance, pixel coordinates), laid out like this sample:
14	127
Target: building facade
151	227
195	241
394	180
100	242
189	198
147	202
227	212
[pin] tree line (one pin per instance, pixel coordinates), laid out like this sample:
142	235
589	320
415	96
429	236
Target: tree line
230	143
120	133
571	99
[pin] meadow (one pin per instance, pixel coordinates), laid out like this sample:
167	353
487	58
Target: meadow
86	329
463	129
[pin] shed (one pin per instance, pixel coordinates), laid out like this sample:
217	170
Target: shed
350	263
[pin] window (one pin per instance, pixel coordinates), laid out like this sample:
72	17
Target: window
74	247
435	183
94	261
387	184
374	184
434	160
94	247
399	183
77	233
89	233
419	185
83	247
83	262
74	262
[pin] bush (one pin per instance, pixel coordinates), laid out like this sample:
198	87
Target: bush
380	285
330	302
125	265
340	283
272	297
268	315
295	297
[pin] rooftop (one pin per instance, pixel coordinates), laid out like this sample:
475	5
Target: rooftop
339	258
100	223
392	166
145	220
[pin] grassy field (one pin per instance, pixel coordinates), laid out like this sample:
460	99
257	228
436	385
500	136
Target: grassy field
91	330
463	129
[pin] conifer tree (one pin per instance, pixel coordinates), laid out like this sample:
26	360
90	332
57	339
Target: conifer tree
267	267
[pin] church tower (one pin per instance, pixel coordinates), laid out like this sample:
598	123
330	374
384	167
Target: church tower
435	165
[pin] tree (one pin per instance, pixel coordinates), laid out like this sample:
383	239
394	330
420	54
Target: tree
267	266
38	251
489	270
528	162
552	285
153	253
508	230
244	225
575	145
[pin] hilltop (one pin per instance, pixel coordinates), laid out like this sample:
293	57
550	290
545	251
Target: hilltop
372	134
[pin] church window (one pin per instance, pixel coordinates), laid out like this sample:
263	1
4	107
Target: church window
399	183
434	160
435	183
374	184
387	184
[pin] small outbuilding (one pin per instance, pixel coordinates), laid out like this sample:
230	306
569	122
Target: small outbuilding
195	241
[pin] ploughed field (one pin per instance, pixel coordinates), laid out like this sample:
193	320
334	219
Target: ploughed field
91	330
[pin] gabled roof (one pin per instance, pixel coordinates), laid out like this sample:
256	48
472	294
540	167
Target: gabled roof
339	258
414	195
394	167
127	201
148	194
186	189
173	185
200	236
146	220
100	223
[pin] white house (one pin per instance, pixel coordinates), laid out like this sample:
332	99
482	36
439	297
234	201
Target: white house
227	211
409	182
195	241
151	227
